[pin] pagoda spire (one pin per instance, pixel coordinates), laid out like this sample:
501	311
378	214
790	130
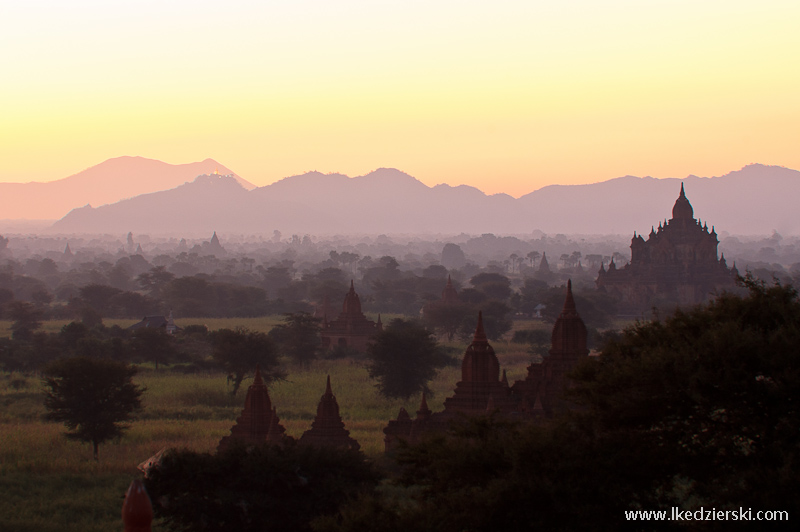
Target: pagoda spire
480	334
424	412
327	429
569	302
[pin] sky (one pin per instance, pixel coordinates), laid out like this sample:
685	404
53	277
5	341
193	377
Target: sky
506	96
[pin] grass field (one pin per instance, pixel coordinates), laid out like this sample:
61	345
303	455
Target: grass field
50	483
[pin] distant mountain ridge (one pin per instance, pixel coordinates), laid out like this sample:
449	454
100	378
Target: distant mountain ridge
108	182
754	200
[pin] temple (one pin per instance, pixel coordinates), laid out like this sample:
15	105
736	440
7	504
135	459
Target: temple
259	421
327	429
677	264
540	392
449	294
351	329
484	390
447	313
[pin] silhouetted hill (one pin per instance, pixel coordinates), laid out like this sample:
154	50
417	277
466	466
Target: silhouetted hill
754	200
107	182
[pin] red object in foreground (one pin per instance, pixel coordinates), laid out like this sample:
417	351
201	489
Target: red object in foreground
137	511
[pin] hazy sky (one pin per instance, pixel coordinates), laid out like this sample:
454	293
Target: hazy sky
507	96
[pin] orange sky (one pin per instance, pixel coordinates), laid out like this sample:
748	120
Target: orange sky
508	98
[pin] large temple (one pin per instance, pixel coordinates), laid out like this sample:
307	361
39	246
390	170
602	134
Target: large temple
351	329
677	264
483	389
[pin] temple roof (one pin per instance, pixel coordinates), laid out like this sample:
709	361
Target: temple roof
569	331
682	209
352	304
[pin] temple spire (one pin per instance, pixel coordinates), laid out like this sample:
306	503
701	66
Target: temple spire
569	301
480	334
328	390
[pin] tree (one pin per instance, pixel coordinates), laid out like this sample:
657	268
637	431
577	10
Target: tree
446	317
494	285
698	410
155	280
153	345
533	256
99	297
403	358
25	317
715	387
238	351
495	320
263	488
91	397
298	337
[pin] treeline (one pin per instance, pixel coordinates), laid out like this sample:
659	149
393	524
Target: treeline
696	413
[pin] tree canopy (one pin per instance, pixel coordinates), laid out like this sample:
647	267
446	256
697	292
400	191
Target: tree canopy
259	489
298	337
238	351
92	397
696	410
403	358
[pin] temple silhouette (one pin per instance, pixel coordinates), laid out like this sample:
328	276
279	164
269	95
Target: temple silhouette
259	423
483	389
676	265
351	329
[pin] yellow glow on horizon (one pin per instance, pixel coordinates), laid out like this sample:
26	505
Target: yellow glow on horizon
507	98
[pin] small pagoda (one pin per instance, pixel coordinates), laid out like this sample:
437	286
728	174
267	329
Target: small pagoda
540	392
351	329
258	423
327	429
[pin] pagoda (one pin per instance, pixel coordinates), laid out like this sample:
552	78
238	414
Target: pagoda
539	394
482	389
258	423
351	329
327	429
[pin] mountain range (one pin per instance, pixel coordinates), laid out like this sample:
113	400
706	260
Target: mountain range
108	182
757	199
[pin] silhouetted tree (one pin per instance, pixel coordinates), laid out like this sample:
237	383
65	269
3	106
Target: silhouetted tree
91	397
298	337
153	345
494	285
263	488
403	358
25	318
239	351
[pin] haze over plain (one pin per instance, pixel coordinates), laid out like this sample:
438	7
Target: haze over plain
507	98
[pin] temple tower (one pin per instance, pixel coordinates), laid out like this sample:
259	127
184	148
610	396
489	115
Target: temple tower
253	425
351	329
480	377
540	392
327	429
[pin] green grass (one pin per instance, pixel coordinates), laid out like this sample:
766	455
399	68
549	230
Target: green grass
264	324
62	502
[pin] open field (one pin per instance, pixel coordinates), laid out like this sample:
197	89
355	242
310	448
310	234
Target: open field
260	324
44	473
